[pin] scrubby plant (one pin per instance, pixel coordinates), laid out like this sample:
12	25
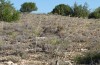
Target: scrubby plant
80	11
95	14
28	7
12	58
54	41
88	58
8	12
62	9
21	53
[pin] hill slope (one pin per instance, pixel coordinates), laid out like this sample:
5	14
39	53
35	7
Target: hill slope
44	39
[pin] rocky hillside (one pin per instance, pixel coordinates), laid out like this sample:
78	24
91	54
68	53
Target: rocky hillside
39	39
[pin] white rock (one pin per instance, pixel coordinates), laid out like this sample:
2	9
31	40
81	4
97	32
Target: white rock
40	37
10	63
69	62
83	50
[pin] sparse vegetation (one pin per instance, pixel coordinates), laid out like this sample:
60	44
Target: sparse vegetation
43	39
68	36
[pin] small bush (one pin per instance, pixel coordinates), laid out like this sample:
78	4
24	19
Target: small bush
28	7
21	53
88	58
8	12
13	59
95	14
62	9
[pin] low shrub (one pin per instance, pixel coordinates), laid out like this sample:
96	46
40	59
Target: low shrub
13	59
21	53
88	58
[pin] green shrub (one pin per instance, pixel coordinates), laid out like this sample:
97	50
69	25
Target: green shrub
80	11
88	58
95	14
8	12
62	9
28	7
